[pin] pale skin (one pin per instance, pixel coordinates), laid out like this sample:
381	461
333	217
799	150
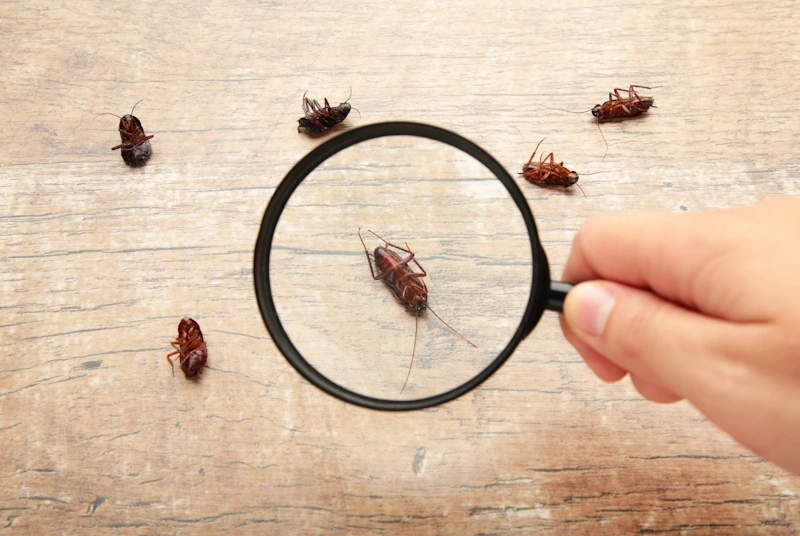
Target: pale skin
699	306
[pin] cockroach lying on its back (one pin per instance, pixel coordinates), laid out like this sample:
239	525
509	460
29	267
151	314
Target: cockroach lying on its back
319	118
406	284
544	173
190	347
135	144
619	107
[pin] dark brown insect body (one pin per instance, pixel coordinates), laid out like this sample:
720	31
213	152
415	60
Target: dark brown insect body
406	284
190	347
548	173
619	107
319	118
135	144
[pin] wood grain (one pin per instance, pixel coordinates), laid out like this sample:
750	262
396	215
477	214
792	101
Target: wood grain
99	262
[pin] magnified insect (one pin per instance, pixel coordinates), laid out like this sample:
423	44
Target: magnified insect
320	118
493	265
406	284
135	144
548	173
190	347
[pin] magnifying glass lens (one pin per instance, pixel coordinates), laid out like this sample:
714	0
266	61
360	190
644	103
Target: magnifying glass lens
410	196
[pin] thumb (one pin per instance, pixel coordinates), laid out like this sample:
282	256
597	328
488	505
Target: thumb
665	347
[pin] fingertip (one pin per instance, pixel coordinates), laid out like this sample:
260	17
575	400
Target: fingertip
587	308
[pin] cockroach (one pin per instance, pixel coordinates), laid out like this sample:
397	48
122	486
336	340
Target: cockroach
544	173
619	107
406	285
319	118
135	144
190	347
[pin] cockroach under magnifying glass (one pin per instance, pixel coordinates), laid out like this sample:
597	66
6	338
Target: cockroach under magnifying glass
398	266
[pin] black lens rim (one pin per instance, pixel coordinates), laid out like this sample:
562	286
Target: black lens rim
540	281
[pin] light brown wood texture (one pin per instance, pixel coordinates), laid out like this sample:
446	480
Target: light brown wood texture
99	262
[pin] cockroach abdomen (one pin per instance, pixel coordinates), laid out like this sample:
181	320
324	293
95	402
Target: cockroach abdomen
195	361
139	155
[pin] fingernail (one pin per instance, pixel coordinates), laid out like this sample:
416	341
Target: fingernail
591	306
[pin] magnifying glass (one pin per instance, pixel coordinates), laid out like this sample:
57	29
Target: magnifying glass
441	206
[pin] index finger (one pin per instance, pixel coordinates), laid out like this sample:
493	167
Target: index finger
677	256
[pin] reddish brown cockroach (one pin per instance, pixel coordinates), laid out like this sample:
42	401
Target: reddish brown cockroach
544	173
135	144
618	107
319	118
406	285
190	347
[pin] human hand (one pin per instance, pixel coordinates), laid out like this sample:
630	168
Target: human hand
703	306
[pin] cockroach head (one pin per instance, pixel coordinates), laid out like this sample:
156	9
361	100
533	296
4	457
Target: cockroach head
572	177
420	303
127	122
596	110
345	107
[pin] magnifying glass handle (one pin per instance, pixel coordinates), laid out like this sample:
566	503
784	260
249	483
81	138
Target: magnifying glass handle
558	292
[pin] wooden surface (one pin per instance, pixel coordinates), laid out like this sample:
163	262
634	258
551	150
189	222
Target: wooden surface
99	262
